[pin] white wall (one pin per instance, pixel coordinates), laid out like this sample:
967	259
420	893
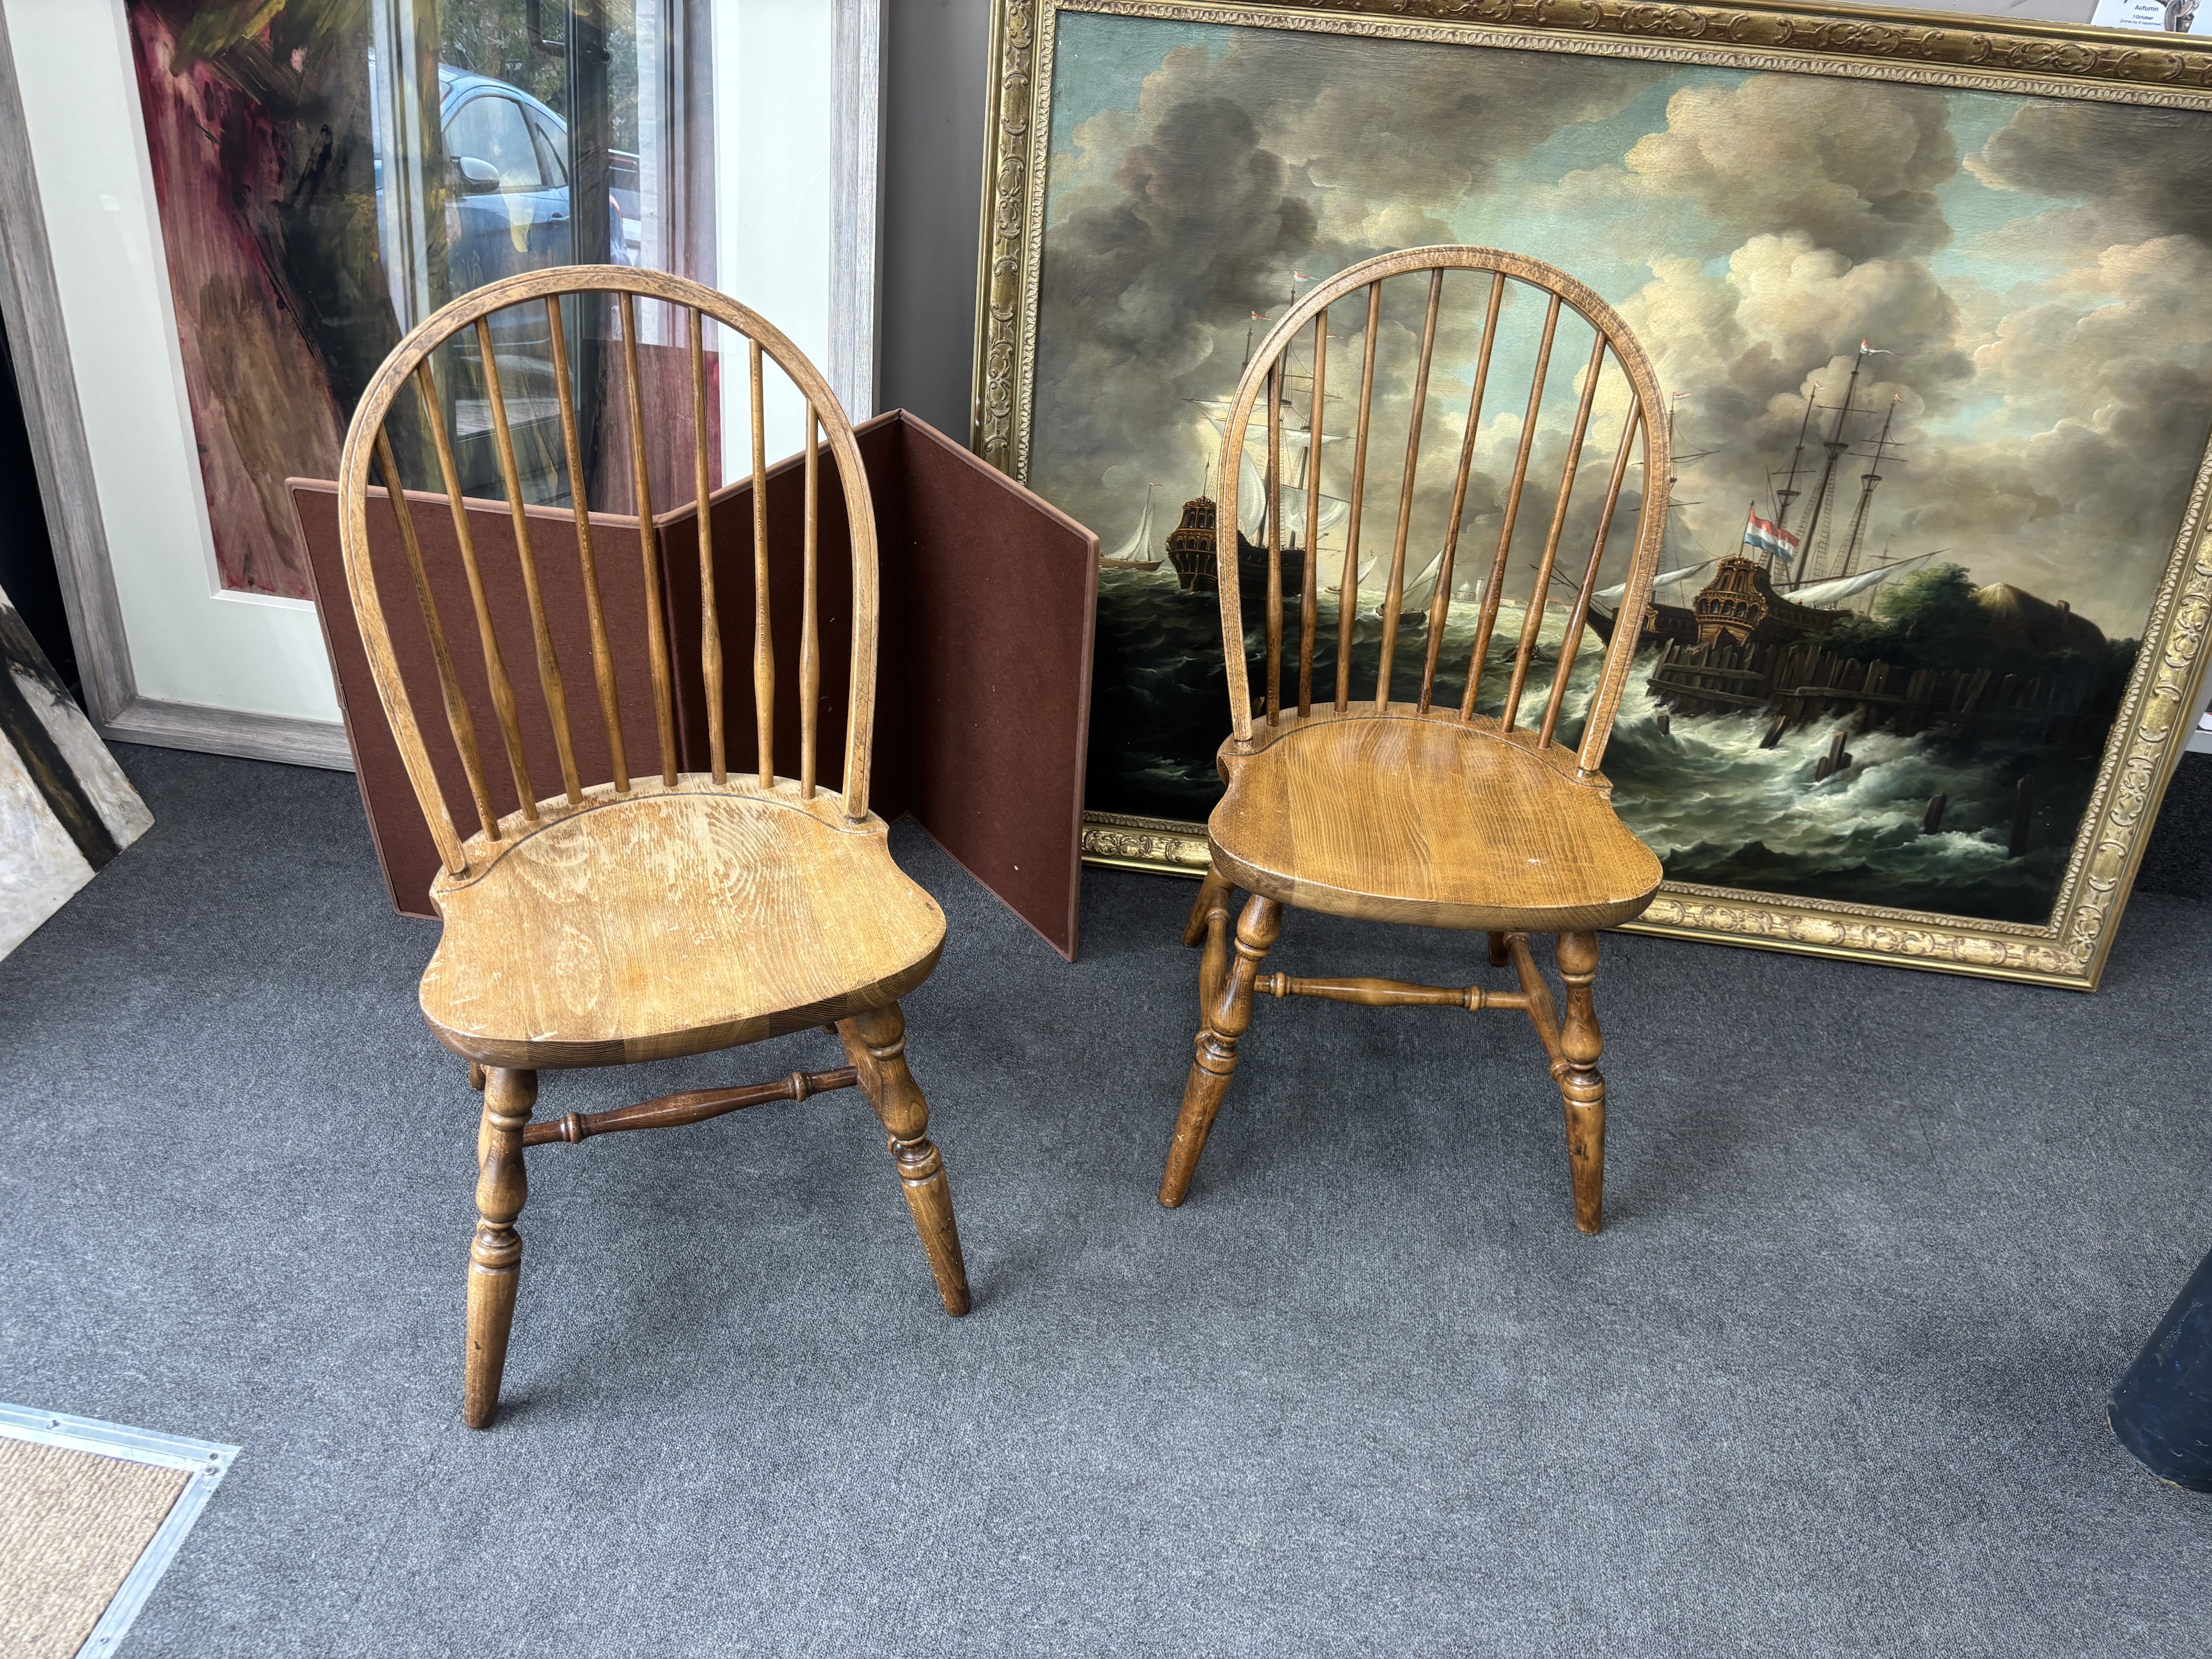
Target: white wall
773	129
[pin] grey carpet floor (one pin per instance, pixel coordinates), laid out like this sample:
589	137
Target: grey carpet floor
1831	1381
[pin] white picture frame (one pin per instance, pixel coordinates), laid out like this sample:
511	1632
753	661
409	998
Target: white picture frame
166	655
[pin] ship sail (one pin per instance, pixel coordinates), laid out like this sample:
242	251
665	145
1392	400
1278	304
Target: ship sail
1252	483
1418	589
1843	587
1665	587
1366	570
1252	505
1141	551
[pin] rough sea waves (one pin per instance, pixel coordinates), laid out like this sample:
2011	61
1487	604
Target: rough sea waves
1718	809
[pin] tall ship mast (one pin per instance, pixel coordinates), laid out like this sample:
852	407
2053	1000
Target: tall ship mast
1867	481
1789	492
1837	445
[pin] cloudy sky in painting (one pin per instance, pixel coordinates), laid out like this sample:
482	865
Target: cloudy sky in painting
2038	271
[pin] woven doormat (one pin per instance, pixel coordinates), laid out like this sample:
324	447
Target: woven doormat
90	1514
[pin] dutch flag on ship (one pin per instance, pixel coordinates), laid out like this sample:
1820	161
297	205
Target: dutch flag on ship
1770	539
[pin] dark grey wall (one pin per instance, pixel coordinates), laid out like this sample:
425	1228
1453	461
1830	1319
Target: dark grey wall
932	194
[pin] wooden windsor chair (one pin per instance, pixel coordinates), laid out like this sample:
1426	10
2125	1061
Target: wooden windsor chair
658	912
1411	811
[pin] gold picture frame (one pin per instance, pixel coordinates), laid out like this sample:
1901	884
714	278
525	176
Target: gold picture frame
2024	59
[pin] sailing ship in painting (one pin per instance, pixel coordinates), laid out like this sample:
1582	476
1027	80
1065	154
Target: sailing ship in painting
1741	634
1744	645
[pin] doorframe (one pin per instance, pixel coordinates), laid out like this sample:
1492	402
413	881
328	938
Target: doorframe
30	301
856	76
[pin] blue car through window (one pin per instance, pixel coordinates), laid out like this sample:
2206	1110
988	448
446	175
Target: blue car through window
511	200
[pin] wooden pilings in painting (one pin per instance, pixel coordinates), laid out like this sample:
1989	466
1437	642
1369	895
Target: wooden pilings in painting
1806	682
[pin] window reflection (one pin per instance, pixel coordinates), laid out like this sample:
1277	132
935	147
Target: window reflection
328	176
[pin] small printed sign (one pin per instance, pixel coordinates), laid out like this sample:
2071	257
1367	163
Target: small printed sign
2165	16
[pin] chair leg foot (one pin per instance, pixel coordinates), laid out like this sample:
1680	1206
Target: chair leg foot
1582	1087
875	1042
1215	1060
496	1255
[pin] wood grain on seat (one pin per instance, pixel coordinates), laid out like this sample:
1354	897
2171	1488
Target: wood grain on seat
675	922
1394	818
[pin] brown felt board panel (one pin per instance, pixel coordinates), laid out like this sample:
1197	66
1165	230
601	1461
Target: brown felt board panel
983	659
403	840
982	687
996	595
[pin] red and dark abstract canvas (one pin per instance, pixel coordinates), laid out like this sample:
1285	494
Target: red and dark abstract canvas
258	123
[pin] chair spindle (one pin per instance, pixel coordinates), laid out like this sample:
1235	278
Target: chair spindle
810	628
710	617
503	690
603	656
656	625
1486	619
1440	595
1394	590
1571	644
457	720
1275	546
1309	589
1347	585
541	629
1532	624
763	641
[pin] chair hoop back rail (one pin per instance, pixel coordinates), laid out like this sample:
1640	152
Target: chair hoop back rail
1266	376
1403	811
654	912
409	369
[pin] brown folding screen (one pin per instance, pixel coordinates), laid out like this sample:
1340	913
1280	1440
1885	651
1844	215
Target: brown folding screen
983	687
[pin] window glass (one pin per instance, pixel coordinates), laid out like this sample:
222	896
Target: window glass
491	129
597	118
552	150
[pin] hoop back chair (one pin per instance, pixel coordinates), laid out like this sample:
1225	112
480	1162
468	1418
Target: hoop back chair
655	912
1416	810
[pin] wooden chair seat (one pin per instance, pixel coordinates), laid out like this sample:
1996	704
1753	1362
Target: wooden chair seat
1396	818
675	922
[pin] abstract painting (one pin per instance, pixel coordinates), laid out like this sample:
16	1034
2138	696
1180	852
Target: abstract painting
1937	338
329	174
259	128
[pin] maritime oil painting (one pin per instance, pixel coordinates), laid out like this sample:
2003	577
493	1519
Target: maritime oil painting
1940	362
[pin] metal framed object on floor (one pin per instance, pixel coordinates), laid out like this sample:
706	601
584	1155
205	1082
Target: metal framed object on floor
203	1462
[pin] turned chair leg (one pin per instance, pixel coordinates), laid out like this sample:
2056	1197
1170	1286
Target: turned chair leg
475	1077
1209	925
1581	1086
1215	1062
495	1257
1499	955
1213	895
875	1044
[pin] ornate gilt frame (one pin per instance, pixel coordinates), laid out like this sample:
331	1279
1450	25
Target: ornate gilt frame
2151	730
